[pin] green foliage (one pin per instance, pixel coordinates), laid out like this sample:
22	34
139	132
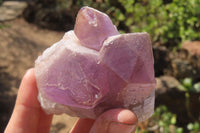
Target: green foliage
165	122
4	26
188	86
1	26
168	23
193	127
165	119
196	87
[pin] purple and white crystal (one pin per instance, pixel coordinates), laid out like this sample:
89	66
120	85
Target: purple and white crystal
94	68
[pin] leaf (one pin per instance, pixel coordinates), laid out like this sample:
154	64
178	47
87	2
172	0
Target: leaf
129	21
119	15
187	82
173	119
197	87
190	126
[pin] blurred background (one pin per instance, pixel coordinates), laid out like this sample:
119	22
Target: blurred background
28	27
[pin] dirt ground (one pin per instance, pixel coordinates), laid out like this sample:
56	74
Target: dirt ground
20	45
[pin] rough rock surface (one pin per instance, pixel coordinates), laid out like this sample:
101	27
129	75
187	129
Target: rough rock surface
165	84
10	10
169	93
185	64
192	46
76	78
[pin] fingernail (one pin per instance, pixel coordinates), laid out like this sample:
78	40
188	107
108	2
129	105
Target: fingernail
126	123
127	117
115	127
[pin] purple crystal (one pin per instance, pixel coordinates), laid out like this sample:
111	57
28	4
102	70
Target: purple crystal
94	68
93	27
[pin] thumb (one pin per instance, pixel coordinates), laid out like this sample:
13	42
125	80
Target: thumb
115	121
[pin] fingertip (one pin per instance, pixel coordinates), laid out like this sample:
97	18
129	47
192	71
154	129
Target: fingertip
127	117
115	121
27	93
120	115
29	75
26	113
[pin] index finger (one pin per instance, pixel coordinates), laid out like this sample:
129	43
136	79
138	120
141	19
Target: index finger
27	113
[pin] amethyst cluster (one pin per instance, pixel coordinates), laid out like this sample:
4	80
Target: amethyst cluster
93	68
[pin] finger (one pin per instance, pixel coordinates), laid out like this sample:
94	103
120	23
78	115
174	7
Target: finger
115	121
82	126
27	111
44	122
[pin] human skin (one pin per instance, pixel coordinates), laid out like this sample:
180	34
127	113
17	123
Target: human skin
28	116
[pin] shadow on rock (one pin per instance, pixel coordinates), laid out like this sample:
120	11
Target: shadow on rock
184	104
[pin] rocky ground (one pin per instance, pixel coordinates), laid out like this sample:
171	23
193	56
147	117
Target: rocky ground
11	9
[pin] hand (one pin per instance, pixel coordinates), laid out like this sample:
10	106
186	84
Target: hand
28	117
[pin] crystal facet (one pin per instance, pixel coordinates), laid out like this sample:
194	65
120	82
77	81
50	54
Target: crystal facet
94	68
93	27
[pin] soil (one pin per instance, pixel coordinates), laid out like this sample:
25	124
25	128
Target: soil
20	44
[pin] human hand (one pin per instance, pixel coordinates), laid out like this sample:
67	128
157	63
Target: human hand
28	117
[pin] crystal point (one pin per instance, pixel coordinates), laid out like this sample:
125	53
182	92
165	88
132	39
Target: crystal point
93	27
94	68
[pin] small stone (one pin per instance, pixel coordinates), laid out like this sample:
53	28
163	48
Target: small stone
192	46
166	84
10	10
94	68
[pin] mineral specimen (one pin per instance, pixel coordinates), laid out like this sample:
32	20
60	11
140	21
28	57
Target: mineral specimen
94	68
